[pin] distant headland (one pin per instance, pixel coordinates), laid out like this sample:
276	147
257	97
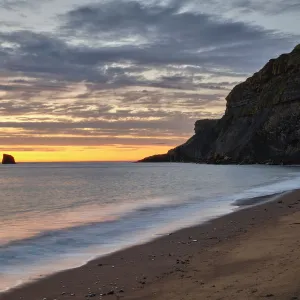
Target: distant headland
261	123
8	160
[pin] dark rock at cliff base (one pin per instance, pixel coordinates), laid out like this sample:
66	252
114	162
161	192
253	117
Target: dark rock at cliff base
8	159
156	158
261	123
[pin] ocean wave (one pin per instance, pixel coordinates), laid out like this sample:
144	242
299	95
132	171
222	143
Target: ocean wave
264	193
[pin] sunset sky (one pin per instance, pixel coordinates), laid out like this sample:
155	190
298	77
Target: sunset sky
87	80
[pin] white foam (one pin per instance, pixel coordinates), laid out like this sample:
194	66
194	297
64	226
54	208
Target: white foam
267	190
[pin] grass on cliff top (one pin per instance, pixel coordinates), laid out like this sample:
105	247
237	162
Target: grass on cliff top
297	48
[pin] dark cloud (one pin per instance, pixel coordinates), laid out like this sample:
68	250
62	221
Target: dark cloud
170	37
164	25
27	149
118	126
166	128
130	104
121	125
86	140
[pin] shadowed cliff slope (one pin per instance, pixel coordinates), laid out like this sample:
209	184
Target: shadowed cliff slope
261	123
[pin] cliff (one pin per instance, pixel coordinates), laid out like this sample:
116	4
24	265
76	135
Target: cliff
8	159
261	123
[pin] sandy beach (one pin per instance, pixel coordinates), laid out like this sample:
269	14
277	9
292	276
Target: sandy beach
252	253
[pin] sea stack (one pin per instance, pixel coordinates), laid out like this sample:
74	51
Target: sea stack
261	123
8	160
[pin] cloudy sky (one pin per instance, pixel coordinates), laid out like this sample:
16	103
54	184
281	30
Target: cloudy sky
122	79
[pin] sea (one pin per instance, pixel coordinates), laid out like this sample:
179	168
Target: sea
56	216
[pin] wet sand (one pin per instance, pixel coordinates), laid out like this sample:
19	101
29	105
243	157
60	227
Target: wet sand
253	253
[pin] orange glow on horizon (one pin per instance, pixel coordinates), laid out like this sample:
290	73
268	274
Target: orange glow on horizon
83	153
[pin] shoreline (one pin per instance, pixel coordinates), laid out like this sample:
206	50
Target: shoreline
131	272
236	206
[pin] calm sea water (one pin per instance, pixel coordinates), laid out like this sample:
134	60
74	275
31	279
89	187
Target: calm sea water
56	216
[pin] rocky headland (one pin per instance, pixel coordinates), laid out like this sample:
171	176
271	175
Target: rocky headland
8	160
261	123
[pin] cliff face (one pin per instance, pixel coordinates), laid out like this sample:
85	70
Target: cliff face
261	123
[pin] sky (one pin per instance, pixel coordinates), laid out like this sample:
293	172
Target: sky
105	80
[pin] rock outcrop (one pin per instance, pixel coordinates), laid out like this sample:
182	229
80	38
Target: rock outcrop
8	159
261	123
157	158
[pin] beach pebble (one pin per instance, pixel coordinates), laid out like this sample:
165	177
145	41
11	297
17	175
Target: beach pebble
90	295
